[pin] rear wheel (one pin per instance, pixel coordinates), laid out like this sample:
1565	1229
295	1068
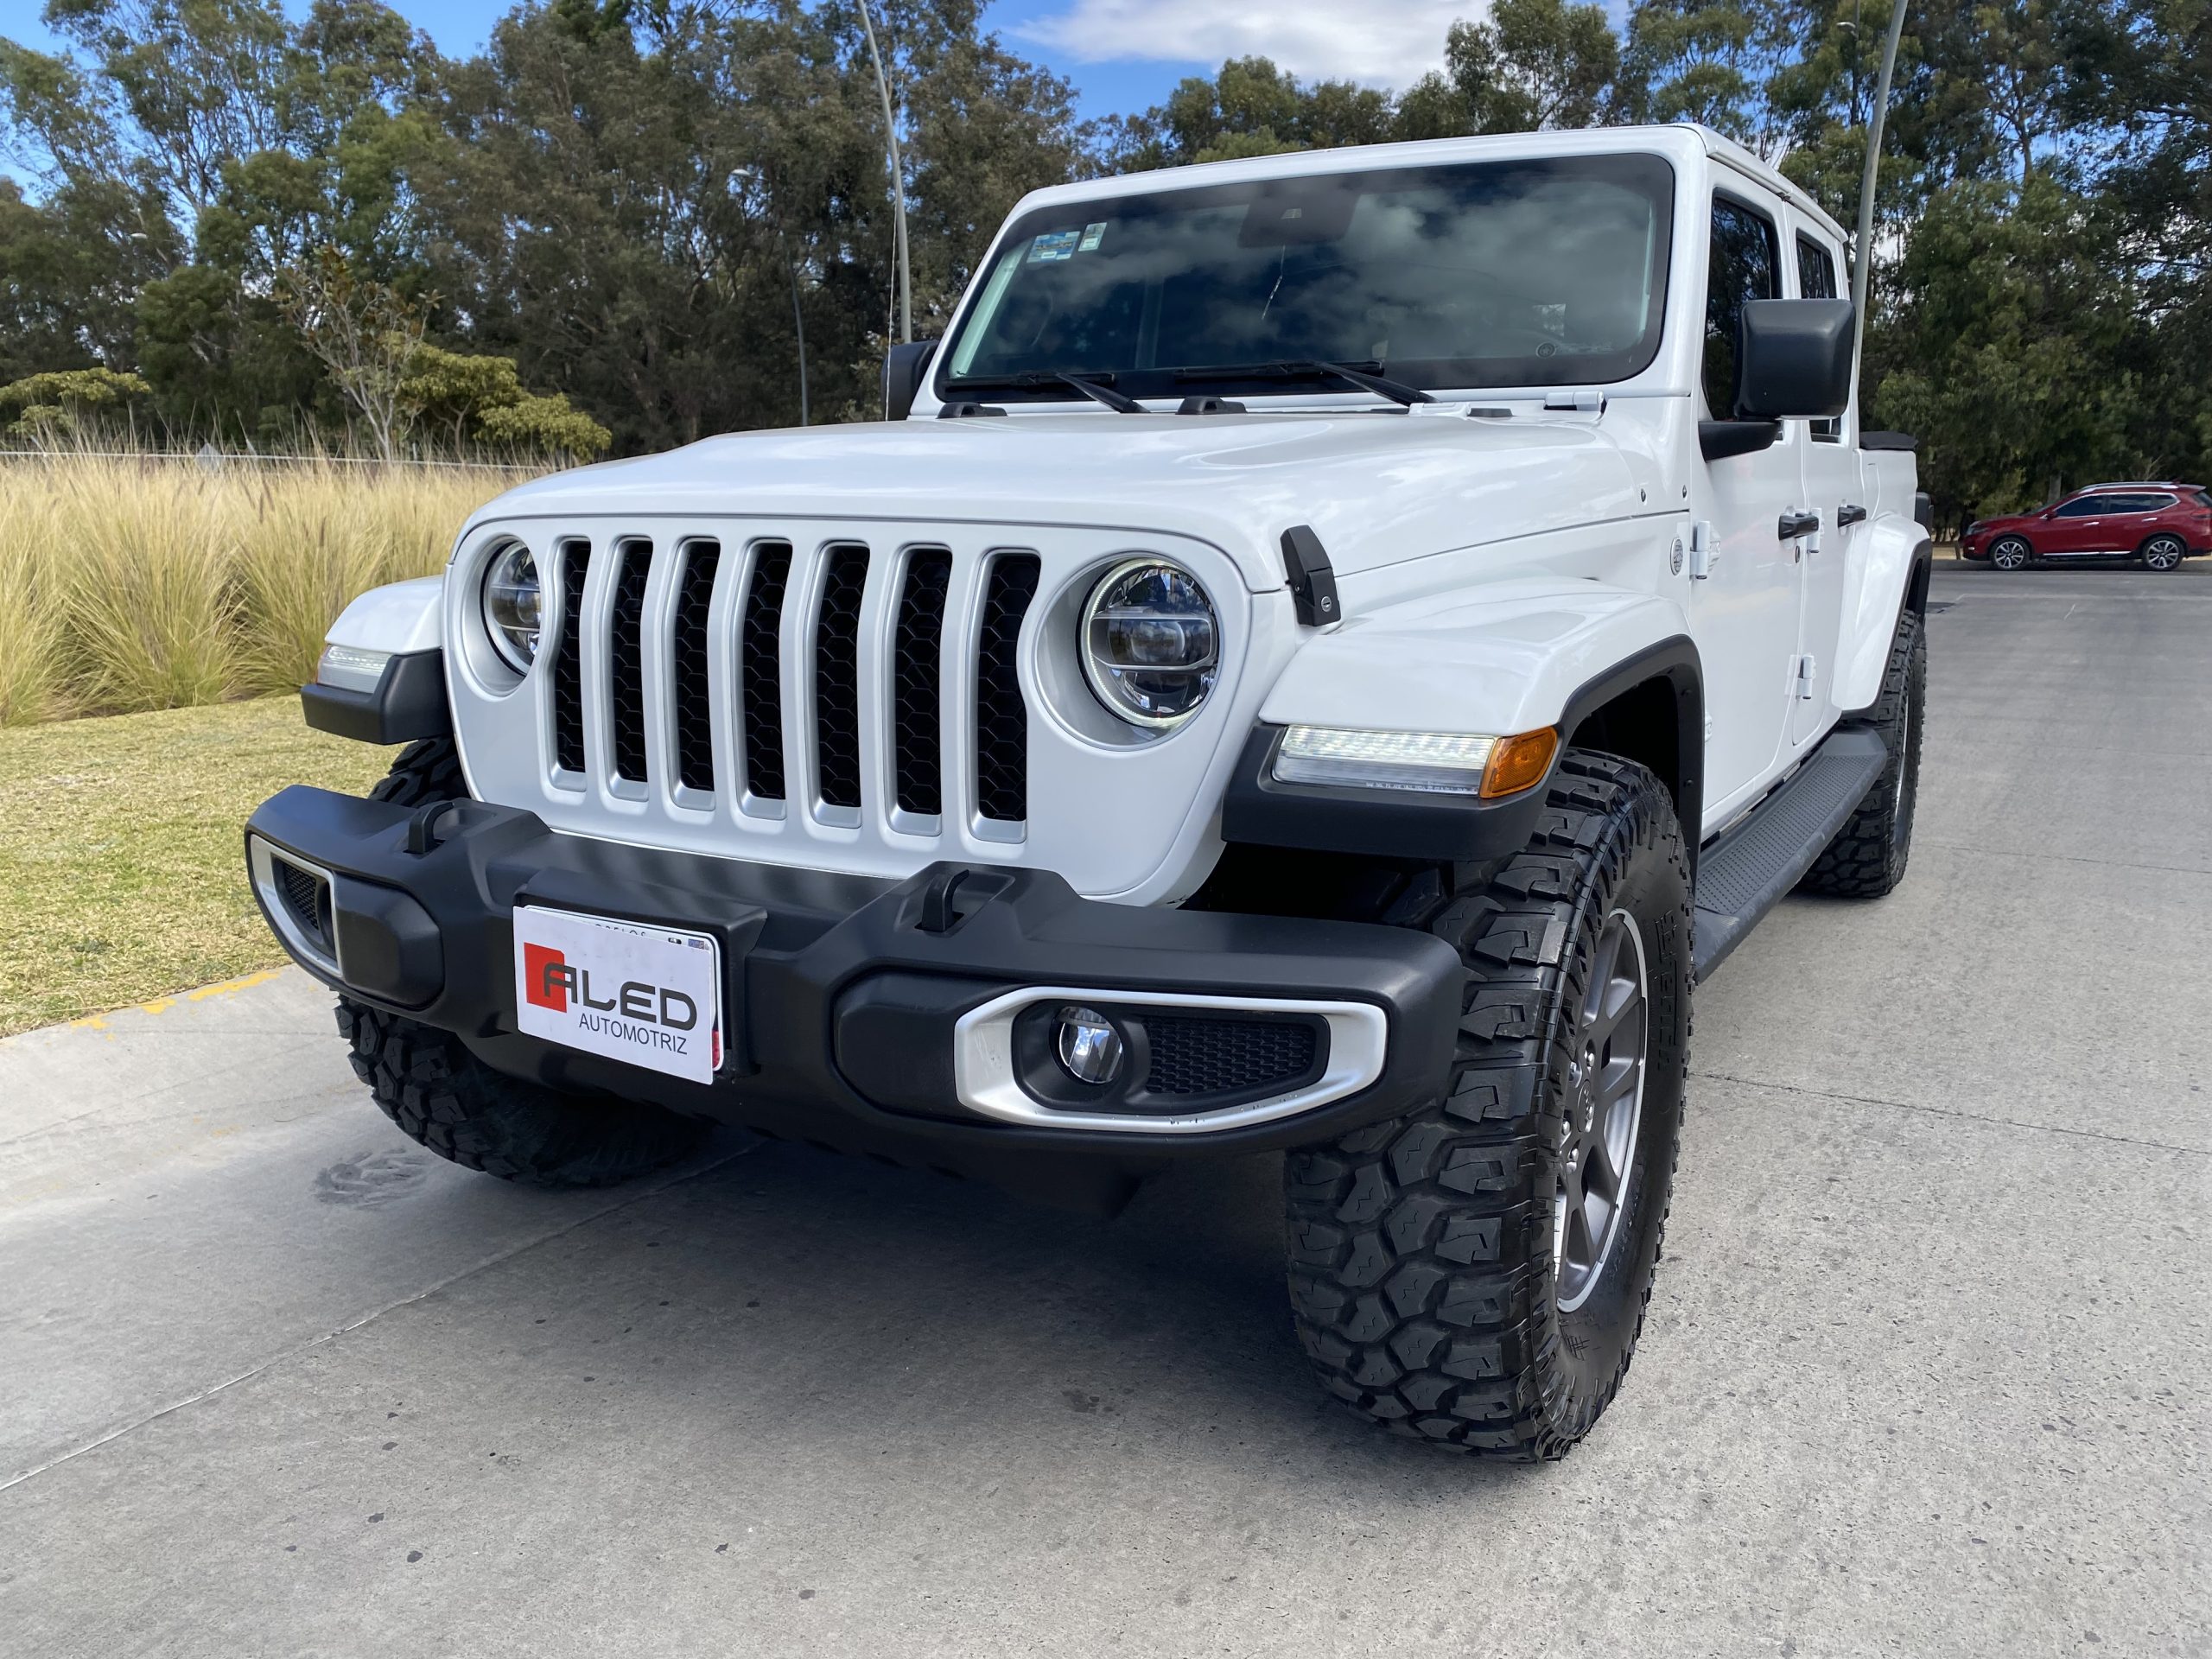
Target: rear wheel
439	1093
2164	552
1868	855
2011	553
1474	1274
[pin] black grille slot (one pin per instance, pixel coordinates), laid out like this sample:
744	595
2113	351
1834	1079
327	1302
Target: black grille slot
1002	717
917	677
838	676
694	727
761	671
625	660
1212	1056
568	660
307	898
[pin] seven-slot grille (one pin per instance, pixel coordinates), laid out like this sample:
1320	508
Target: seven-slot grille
669	609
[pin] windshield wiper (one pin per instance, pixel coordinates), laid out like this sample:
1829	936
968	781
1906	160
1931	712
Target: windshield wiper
1362	375
1096	387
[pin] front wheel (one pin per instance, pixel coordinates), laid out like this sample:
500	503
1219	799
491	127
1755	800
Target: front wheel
439	1094
2011	553
1474	1274
2164	553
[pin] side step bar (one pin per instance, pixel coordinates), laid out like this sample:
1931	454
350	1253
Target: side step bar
1744	873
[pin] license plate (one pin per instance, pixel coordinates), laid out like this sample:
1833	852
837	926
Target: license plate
627	990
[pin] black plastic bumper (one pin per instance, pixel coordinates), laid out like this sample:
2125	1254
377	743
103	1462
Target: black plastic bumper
840	992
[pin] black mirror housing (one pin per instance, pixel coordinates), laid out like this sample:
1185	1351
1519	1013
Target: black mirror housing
1794	359
903	369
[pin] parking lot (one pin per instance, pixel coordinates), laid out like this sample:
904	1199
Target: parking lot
1923	1372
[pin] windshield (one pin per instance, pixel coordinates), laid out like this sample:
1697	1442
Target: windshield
1492	274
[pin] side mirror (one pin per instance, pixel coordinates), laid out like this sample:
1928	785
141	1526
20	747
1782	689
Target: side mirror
1794	359
903	369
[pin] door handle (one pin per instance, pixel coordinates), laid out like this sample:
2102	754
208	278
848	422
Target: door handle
1848	514
1794	525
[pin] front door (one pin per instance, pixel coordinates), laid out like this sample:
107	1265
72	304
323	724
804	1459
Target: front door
2074	529
1744	616
1831	483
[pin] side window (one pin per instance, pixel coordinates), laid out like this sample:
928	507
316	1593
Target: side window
1815	270
1816	281
2084	506
2139	503
1743	262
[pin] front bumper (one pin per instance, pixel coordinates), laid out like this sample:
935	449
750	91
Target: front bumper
853	1006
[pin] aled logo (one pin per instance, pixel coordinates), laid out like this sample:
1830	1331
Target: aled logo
644	994
540	983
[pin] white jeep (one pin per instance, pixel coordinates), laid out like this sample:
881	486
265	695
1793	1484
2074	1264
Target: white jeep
1322	658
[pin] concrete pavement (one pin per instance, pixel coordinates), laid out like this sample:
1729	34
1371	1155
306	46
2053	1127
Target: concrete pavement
1923	1374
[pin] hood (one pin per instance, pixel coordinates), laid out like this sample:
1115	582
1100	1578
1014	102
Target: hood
1376	487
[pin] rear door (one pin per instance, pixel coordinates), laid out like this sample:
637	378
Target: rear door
1829	467
2131	520
1744	615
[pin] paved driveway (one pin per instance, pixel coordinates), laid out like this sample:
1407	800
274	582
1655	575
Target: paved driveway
1924	1373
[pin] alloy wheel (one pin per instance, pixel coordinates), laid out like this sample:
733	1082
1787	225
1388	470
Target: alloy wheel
2009	554
2163	552
1604	1107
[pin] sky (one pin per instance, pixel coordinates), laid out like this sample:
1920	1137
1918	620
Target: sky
1122	55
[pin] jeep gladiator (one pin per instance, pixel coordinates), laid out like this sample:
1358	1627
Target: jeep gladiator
1321	659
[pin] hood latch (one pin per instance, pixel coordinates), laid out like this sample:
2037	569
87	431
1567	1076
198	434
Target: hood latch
1312	583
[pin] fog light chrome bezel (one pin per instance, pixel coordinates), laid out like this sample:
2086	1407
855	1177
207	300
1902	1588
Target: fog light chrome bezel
987	1074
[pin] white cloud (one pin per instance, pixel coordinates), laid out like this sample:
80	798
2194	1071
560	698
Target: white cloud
1388	42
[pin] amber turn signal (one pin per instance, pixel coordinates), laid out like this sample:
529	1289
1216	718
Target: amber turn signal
1519	763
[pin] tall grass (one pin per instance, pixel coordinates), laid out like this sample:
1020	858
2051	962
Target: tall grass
131	584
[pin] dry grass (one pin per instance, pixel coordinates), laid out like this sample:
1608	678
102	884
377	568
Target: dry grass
122	851
128	585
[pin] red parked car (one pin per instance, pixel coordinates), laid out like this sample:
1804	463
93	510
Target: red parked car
2159	524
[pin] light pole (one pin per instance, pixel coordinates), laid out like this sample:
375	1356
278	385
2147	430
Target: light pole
898	183
1864	270
738	180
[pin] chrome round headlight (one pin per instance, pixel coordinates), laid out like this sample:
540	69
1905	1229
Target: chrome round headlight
1151	646
514	606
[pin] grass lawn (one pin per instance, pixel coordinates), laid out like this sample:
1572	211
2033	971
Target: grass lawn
122	860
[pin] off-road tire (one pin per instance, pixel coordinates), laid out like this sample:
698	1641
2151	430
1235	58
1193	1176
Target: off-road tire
439	1094
425	772
1422	1252
1868	857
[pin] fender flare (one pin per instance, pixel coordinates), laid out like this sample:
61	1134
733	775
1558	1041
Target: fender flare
1893	579
403	616
407	699
1512	657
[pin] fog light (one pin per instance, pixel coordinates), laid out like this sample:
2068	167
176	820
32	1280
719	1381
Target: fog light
1089	1047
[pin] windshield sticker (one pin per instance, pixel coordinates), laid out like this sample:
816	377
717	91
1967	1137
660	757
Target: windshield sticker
1053	245
1092	236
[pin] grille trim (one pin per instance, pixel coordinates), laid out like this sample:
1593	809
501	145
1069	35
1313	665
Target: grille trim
691	699
761	657
916	670
837	695
626	629
1001	726
573	557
